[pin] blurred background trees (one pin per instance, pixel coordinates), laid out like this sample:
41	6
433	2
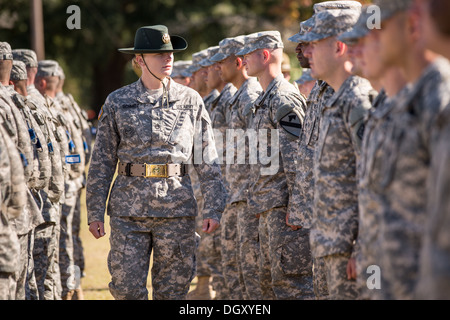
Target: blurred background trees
89	55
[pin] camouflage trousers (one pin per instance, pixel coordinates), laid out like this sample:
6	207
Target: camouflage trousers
26	286
7	286
78	254
320	279
230	251
215	265
45	256
205	245
66	247
285	256
339	287
249	252
133	239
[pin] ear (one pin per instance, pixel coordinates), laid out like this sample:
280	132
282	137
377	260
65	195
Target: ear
266	55
341	48
239	62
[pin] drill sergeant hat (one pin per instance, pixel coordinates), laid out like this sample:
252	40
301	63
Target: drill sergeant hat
27	56
389	8
211	51
228	47
18	71
331	23
155	39
261	40
5	51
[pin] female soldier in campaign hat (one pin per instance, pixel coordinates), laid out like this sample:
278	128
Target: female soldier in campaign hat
150	129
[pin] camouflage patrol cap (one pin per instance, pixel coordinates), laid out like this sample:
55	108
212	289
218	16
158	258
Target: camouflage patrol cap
196	58
331	23
228	47
61	75
27	56
48	68
330	5
5	51
261	40
305	77
388	7
18	71
305	26
180	68
359	30
206	62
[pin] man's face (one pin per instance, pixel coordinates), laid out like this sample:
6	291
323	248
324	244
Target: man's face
213	79
160	64
254	63
355	56
227	68
393	40
372	64
321	57
299	50
198	81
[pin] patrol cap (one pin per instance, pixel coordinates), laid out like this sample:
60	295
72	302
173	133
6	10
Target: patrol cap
5	51
27	56
261	40
305	77
330	5
305	26
48	68
62	75
196	58
18	71
388	7
331	23
228	47
206	62
359	30
180	68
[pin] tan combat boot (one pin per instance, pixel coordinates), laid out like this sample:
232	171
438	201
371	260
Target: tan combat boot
201	292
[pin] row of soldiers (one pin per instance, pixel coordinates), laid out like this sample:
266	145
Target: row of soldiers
45	143
359	204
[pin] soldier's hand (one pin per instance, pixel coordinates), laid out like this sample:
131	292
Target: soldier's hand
291	225
209	225
97	229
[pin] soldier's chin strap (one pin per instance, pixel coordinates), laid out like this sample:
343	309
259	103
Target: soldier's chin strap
165	91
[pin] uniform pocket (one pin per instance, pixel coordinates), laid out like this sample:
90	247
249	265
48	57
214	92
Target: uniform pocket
295	253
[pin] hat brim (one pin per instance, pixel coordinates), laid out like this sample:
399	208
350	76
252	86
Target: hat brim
178	44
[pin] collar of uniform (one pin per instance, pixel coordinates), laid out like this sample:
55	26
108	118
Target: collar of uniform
348	83
273	85
142	95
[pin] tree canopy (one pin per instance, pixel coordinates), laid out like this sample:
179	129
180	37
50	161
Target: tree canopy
89	55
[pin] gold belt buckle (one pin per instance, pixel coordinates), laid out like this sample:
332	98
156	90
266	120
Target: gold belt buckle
156	171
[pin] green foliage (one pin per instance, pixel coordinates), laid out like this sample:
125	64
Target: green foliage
89	56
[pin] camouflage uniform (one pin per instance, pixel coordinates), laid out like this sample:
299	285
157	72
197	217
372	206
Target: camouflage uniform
405	159
435	254
160	208
285	254
301	213
241	233
225	238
